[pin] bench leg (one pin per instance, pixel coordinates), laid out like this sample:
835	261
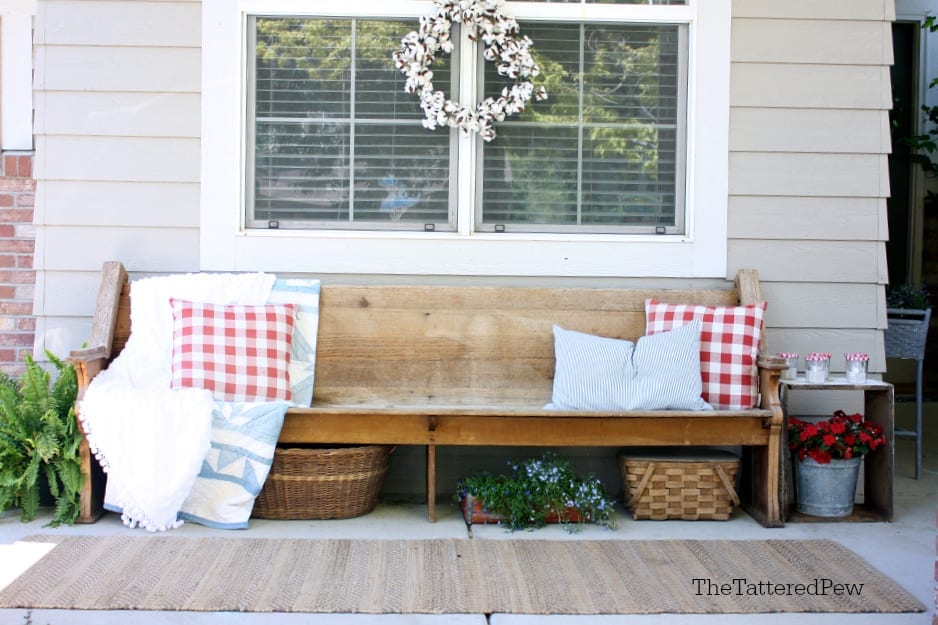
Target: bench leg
91	496
763	504
431	483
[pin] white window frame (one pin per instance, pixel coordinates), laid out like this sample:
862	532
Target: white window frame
227	246
16	74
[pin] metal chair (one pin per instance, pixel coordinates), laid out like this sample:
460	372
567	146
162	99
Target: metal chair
905	337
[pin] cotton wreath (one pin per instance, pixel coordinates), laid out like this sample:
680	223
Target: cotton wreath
504	45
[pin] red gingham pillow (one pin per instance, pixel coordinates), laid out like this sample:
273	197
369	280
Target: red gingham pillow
239	353
729	347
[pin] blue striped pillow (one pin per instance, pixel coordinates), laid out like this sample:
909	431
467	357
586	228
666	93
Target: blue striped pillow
660	372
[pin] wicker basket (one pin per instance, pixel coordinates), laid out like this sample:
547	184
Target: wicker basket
906	333
323	482
694	486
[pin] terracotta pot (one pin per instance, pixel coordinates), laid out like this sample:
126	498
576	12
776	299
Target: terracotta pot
473	511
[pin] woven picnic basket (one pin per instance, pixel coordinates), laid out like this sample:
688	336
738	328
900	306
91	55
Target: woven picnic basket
699	485
323	482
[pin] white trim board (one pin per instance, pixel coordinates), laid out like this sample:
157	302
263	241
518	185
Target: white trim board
226	245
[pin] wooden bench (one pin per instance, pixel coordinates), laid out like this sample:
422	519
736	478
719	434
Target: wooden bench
470	365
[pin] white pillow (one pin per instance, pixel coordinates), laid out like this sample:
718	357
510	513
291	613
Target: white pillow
660	372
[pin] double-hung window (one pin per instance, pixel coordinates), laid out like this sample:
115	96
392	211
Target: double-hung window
331	148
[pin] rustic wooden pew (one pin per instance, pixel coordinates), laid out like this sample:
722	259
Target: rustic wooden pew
469	365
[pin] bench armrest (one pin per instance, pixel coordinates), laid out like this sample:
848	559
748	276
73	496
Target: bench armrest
88	363
770	371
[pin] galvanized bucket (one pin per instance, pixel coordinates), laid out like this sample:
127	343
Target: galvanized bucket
826	490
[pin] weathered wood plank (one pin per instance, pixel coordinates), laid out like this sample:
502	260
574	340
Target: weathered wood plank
747	285
107	308
465	428
460	343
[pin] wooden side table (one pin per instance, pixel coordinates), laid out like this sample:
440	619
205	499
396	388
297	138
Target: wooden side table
878	466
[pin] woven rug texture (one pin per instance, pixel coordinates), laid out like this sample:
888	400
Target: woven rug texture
452	576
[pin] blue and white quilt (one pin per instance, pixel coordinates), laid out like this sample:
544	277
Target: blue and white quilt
244	437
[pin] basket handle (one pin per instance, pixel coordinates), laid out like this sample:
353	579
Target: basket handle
644	483
727	484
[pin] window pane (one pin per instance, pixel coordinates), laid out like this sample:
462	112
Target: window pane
326	94
603	152
531	175
298	74
401	174
301	171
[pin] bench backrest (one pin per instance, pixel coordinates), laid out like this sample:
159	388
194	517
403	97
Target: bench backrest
463	345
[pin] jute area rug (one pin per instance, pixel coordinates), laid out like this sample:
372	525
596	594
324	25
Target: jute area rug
453	576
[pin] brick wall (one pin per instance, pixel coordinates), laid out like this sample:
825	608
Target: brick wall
17	244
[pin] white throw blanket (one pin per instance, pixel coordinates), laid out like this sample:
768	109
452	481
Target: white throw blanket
151	440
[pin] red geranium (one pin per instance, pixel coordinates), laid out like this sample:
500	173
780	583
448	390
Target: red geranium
840	437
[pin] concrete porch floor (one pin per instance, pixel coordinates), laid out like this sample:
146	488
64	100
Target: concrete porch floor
904	550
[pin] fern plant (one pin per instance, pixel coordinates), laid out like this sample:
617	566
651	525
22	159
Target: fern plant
39	436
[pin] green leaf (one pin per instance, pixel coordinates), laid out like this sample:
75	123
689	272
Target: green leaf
29	502
66	511
52	479
72	478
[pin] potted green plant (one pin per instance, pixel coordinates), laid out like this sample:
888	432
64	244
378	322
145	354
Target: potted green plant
827	458
535	492
39	440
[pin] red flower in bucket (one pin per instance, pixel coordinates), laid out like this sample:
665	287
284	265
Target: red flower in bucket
840	437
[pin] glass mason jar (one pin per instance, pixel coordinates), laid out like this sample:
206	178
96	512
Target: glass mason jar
817	366
856	367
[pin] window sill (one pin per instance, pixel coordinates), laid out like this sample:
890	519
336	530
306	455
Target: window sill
420	253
